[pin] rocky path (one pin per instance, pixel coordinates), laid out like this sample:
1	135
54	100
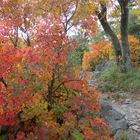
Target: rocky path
122	112
123	118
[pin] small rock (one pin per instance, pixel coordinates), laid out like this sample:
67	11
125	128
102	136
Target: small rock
135	128
128	101
113	101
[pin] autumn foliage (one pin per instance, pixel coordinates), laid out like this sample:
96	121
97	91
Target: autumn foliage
103	51
134	50
98	52
39	98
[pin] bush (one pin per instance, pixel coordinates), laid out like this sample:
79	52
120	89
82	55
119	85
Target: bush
98	52
40	99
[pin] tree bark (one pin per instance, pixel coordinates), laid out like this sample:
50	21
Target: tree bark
50	91
3	81
124	35
28	40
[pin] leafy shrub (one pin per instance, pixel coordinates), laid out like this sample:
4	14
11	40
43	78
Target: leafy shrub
134	51
98	52
103	51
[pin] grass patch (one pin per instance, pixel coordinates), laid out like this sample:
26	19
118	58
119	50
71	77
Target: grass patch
113	79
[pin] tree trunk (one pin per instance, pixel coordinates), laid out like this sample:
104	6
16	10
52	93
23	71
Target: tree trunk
121	49
115	41
50	90
28	40
124	35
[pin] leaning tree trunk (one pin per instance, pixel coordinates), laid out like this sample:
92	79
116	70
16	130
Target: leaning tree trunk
115	41
121	49
124	35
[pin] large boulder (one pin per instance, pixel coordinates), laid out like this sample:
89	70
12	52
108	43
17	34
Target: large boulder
104	65
115	119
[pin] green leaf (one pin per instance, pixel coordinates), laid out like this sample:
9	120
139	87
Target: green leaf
77	135
64	137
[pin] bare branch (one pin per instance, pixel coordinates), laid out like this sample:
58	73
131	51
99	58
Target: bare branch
62	83
3	81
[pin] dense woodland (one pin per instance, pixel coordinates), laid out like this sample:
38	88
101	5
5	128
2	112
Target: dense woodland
47	48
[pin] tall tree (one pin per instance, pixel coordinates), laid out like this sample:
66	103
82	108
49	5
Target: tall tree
100	9
121	48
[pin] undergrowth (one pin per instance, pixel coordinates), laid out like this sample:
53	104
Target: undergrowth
113	79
